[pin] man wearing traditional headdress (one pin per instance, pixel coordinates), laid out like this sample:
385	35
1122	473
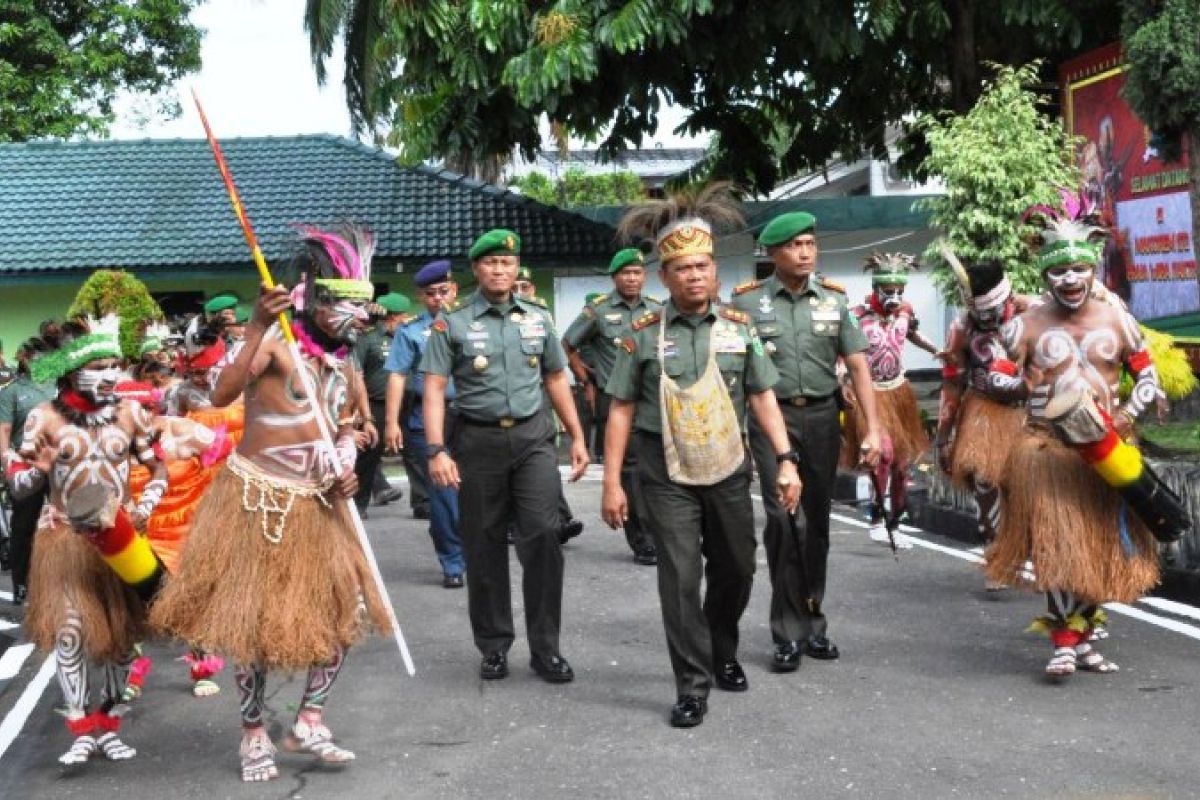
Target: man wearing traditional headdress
888	322
683	380
273	575
982	411
93	570
1080	503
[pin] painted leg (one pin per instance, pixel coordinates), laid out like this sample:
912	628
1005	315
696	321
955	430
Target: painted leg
72	671
108	718
879	484
310	734
1064	638
1087	658
256	751
898	489
987	498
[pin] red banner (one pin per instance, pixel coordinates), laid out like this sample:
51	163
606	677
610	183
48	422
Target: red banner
1150	260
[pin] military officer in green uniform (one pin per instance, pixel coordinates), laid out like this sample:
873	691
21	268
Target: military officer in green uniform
505	359
806	326
598	331
371	352
692	463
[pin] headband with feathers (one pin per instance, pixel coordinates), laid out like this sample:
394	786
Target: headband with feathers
1070	234
887	268
683	223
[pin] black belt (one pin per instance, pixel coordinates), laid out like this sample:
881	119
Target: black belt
503	422
800	400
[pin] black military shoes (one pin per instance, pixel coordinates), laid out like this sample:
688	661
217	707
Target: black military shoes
494	667
786	657
553	669
820	648
731	677
688	711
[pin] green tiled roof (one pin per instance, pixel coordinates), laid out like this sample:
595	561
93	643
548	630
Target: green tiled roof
158	204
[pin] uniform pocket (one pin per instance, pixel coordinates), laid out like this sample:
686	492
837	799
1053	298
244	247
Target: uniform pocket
533	347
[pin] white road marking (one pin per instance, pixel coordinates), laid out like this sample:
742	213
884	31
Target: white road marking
6	596
14	721
13	658
5	625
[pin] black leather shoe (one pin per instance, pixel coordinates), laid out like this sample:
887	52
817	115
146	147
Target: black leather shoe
787	657
646	556
569	530
731	677
452	581
390	495
554	669
820	648
494	667
688	711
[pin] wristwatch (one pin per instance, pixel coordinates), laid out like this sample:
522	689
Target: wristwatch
435	449
790	455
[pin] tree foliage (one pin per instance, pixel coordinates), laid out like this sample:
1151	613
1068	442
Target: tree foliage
996	161
63	63
109	291
783	85
577	188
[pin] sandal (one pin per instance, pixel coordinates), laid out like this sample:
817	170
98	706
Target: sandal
114	749
1062	663
258	757
317	740
1098	633
203	687
1090	660
81	750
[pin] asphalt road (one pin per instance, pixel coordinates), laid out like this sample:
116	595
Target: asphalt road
938	693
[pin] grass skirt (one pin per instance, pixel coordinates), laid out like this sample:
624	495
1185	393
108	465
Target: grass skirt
282	606
1059	514
899	418
68	572
985	434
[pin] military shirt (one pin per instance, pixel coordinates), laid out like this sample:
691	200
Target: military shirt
597	332
497	355
20	397
371	353
408	348
803	333
745	367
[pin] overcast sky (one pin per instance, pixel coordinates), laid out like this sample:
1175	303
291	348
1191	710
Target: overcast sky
257	80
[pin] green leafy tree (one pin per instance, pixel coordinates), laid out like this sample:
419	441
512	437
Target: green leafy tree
1162	82
782	85
63	63
578	188
996	161
109	291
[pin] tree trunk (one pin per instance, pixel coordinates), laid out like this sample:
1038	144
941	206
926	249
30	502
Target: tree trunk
1191	141
964	70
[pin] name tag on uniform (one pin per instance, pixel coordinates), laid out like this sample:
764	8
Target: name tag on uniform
533	328
729	342
614	318
826	315
477	336
670	349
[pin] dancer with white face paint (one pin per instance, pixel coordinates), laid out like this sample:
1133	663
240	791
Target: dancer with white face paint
90	578
1081	526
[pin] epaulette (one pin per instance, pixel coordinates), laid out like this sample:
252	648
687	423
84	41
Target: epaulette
648	319
599	299
735	315
746	287
537	301
833	286
652	299
452	306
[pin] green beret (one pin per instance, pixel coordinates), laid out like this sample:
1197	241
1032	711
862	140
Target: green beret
786	227
220	302
524	274
498	240
630	255
394	303
241	316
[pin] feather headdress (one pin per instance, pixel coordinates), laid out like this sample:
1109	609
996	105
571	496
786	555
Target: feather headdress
683	224
1070	234
888	268
98	338
337	260
153	337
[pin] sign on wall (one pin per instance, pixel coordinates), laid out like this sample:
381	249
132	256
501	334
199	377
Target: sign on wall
1150	259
